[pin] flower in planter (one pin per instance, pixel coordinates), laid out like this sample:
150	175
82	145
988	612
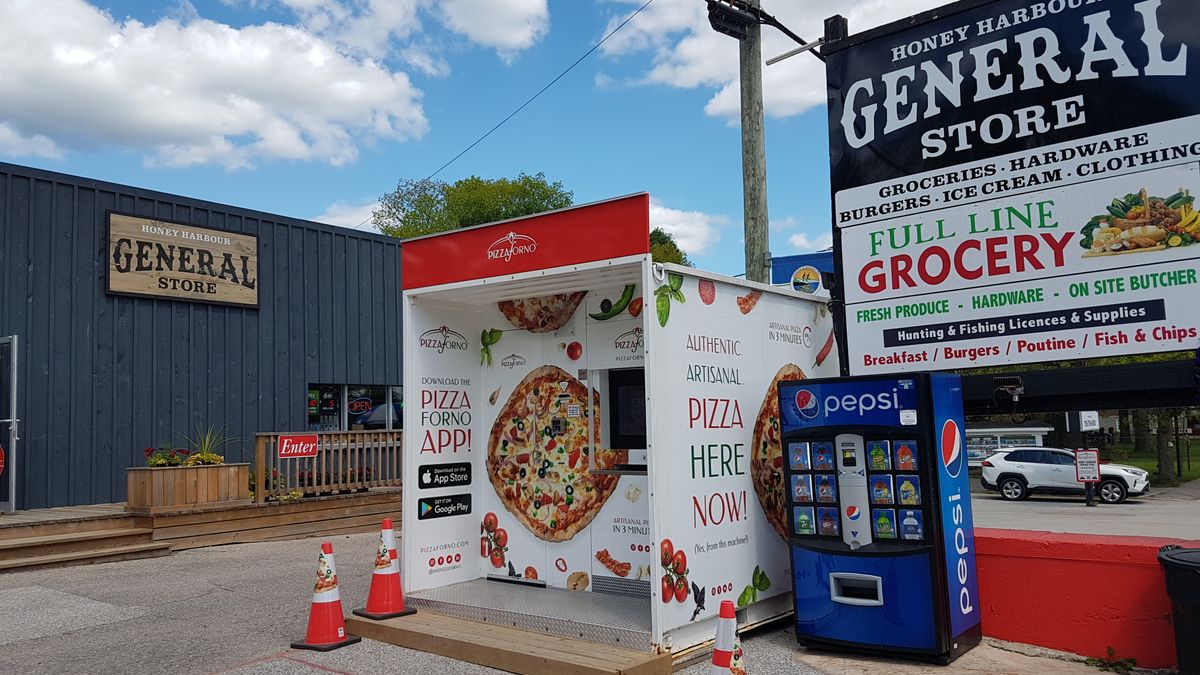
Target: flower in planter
203	459
166	456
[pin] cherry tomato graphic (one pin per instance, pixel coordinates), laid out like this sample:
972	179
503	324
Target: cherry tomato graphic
489	522
668	588
635	307
574	351
531	573
497	558
679	563
500	538
485	548
666	550
681	589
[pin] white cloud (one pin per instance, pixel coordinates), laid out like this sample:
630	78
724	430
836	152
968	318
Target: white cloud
804	242
785	224
361	26
694	231
688	53
345	214
12	143
379	28
190	93
509	26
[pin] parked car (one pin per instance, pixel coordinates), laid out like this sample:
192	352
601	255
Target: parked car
1017	473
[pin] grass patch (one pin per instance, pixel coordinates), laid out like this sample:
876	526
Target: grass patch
1149	461
1151	464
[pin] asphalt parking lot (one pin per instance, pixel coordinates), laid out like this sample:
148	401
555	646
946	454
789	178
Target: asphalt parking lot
234	609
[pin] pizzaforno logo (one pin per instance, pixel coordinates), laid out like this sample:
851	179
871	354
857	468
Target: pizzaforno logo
807	404
443	339
952	455
510	245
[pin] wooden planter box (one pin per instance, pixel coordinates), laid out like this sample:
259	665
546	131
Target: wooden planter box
178	488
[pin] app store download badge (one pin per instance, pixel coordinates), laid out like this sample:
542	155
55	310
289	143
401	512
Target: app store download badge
443	475
440	507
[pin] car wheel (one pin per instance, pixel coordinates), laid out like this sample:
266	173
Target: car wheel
1113	492
1013	489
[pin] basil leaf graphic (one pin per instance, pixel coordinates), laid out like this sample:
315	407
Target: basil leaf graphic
663	304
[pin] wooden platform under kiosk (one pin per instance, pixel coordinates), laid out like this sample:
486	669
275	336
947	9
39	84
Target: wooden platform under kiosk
507	648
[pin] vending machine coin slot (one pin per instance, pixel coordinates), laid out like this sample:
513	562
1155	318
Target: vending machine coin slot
558	426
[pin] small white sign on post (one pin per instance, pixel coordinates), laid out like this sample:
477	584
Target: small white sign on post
1089	420
1087	465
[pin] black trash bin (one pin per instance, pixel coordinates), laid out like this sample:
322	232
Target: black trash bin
1182	568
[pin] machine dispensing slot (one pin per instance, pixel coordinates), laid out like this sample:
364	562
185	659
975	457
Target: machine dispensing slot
856	589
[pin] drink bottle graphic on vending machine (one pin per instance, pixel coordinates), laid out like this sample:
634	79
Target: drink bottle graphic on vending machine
882	542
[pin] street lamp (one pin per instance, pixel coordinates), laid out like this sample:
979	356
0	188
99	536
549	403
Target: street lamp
740	19
730	19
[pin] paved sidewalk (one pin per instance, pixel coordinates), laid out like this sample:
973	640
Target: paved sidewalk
235	609
1189	491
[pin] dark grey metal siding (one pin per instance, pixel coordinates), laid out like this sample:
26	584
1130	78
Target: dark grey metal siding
102	377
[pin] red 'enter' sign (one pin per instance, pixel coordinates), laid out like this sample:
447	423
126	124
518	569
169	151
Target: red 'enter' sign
298	446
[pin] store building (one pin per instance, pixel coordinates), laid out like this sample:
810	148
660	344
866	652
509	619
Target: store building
983	442
140	316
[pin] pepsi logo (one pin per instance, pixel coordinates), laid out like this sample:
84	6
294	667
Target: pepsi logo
853	512
952	456
806	404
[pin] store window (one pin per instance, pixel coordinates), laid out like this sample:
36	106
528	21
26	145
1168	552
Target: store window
324	407
333	407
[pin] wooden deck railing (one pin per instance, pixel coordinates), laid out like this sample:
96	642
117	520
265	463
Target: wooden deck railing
346	461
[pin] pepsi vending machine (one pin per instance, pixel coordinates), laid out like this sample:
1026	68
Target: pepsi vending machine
882	545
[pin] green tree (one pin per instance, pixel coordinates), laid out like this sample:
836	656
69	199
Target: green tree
1165	448
664	249
417	208
1141	432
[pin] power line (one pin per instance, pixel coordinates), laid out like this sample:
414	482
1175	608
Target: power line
531	98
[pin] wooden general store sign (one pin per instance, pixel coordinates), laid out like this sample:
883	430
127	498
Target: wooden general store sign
162	259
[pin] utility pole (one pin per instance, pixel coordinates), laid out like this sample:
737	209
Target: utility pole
742	20
754	156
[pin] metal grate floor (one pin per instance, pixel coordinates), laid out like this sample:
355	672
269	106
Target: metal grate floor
597	617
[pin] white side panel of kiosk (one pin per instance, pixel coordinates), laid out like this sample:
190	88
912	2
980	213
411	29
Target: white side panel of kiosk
715	349
443	451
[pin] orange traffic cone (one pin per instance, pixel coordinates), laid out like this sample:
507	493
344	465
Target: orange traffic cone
326	625
723	649
386	599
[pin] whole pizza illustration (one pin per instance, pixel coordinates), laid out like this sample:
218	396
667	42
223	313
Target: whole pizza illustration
766	462
538	454
544	314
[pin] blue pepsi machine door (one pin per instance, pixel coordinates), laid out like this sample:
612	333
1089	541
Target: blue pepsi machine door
882	543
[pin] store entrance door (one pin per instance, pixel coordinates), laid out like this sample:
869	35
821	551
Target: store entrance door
8	424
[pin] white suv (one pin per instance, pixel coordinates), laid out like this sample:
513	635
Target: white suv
1018	472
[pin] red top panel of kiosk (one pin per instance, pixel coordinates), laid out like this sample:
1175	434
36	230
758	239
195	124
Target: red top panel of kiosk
600	231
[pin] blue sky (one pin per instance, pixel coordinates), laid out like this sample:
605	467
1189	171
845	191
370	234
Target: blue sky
315	108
